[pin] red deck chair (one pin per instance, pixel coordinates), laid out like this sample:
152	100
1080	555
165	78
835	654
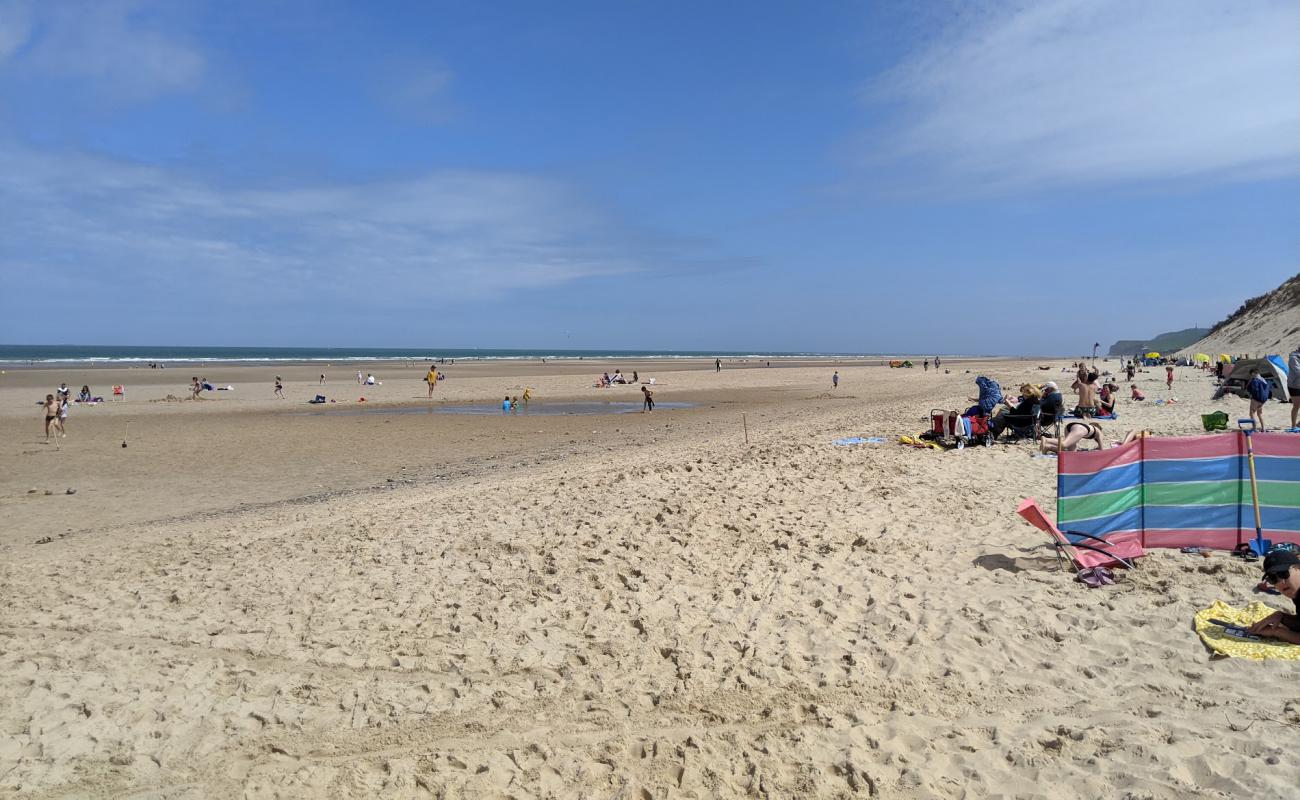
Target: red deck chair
1094	552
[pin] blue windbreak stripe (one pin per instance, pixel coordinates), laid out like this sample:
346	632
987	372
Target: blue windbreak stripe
1199	517
1274	518
1177	470
1107	480
1128	520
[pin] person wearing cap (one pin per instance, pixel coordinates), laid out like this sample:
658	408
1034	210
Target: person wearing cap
1052	406
1282	572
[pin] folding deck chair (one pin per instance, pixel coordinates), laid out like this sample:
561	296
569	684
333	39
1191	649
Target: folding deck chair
1089	551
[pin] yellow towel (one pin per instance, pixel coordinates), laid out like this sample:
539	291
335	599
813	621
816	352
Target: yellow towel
1221	643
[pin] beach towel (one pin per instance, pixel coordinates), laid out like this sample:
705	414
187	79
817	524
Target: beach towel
851	440
1220	642
912	441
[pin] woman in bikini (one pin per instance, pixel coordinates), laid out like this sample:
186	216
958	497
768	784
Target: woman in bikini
1075	434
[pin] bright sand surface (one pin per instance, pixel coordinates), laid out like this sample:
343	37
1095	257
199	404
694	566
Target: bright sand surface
258	599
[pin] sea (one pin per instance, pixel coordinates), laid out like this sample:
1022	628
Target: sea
17	355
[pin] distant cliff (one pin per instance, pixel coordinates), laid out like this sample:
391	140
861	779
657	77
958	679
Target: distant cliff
1165	343
1264	325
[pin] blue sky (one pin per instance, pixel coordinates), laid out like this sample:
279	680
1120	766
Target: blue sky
833	176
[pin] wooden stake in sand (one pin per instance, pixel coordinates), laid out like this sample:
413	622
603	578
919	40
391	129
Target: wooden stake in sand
126	433
745	421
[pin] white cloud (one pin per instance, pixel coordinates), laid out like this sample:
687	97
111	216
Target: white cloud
15	26
125	52
1075	91
154	231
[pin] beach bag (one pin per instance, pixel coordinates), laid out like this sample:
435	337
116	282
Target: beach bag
1218	421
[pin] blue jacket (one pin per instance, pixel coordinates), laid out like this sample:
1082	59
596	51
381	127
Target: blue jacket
990	394
1259	390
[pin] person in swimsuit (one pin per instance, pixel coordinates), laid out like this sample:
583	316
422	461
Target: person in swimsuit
431	378
51	413
279	387
1075	434
1169	377
649	404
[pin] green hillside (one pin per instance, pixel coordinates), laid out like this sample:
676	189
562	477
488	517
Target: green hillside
1161	343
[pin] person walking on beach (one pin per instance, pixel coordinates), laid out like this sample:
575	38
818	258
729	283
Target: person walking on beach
322	379
279	388
1169	377
717	365
51	415
927	365
649	404
360	378
1259	392
936	362
1293	383
432	379
835	380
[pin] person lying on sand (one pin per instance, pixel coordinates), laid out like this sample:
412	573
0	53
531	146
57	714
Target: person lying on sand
1075	434
1282	572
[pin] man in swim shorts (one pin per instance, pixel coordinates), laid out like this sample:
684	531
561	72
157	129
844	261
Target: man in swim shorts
1282	572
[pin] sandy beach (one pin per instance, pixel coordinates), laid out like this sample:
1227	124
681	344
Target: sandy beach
263	598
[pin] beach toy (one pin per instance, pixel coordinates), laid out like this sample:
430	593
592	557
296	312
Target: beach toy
1259	545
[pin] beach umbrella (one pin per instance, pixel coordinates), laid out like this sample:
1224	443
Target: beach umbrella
1153	354
1225	358
1202	358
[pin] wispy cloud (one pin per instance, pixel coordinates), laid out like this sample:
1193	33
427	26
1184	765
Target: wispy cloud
1074	91
123	51
154	231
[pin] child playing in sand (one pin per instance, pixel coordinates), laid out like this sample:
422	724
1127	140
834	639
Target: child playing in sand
1137	393
1282	572
505	405
1169	377
649	404
1259	392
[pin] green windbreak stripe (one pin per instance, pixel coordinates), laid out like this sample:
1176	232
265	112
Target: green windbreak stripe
1274	493
1097	505
1219	493
1222	493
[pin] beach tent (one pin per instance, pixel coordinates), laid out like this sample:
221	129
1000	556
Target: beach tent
1185	491
1202	358
1153	354
1225	358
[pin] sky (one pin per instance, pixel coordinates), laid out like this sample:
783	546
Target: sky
964	177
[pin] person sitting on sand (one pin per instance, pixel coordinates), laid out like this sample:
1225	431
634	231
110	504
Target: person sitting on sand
84	396
1106	399
1075	434
1137	393
505	405
1282	572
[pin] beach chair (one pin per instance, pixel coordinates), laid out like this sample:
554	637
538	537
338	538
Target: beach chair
1084	550
950	429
